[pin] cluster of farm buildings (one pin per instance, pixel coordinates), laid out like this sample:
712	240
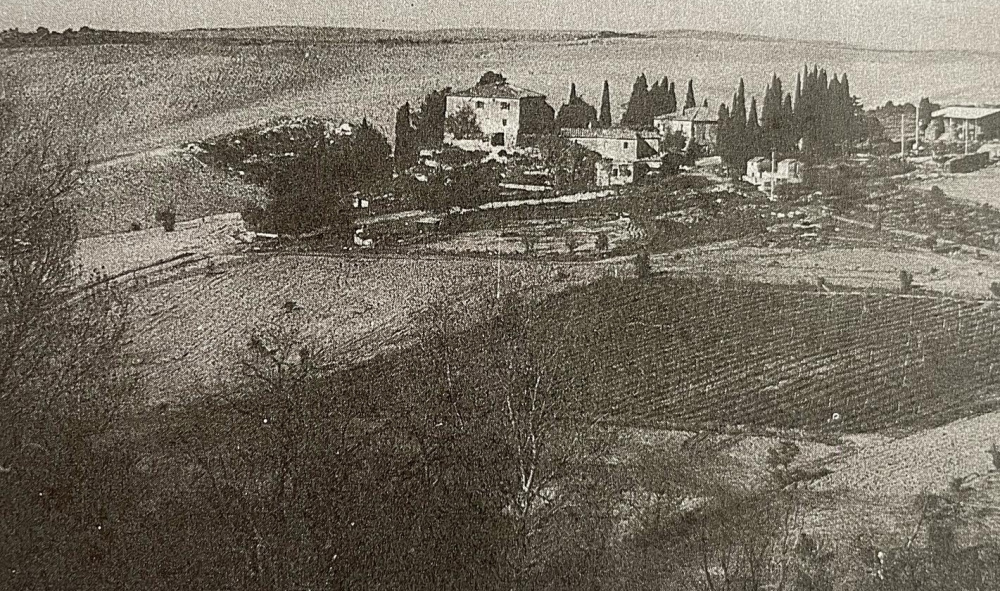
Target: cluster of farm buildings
507	113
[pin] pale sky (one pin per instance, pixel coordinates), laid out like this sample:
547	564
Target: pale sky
903	24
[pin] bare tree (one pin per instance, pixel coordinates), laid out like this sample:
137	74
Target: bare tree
62	384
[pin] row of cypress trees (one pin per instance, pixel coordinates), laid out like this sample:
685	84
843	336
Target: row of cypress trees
645	103
820	119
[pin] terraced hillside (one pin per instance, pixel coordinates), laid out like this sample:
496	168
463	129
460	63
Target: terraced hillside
681	351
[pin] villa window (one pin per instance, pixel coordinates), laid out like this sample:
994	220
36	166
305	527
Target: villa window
480	104
625	145
505	107
505	123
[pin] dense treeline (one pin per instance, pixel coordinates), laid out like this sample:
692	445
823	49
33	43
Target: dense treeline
420	129
43	37
821	119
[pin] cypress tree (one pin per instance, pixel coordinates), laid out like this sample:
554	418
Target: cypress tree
739	144
576	113
723	140
739	110
847	112
657	99
689	101
406	152
769	123
605	118
638	113
753	132
671	99
787	132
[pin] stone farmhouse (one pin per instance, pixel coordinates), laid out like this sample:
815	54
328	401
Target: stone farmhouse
700	124
504	112
627	154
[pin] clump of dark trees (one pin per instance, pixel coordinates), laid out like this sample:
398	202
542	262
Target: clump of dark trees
577	113
647	103
820	121
311	172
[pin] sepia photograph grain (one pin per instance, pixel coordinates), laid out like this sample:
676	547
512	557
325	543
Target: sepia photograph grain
508	295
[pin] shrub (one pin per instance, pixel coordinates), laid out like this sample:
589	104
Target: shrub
167	217
572	242
995	289
602	242
994	454
530	242
905	281
463	124
642	266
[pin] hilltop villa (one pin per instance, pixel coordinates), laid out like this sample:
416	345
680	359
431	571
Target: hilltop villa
503	111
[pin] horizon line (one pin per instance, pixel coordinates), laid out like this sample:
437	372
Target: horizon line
651	32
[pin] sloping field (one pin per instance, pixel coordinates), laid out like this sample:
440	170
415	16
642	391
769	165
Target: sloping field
115	254
927	460
696	353
980	187
172	92
193	331
863	268
115	196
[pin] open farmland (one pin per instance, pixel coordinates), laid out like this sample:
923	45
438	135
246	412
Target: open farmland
184	90
677	351
193	331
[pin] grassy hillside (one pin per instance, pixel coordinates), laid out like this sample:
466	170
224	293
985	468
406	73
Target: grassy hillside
113	198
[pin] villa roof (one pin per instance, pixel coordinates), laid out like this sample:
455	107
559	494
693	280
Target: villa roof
502	91
695	114
960	112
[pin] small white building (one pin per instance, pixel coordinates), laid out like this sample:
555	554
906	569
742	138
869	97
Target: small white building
973	123
760	174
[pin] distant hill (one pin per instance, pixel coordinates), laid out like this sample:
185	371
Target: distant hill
43	37
254	35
